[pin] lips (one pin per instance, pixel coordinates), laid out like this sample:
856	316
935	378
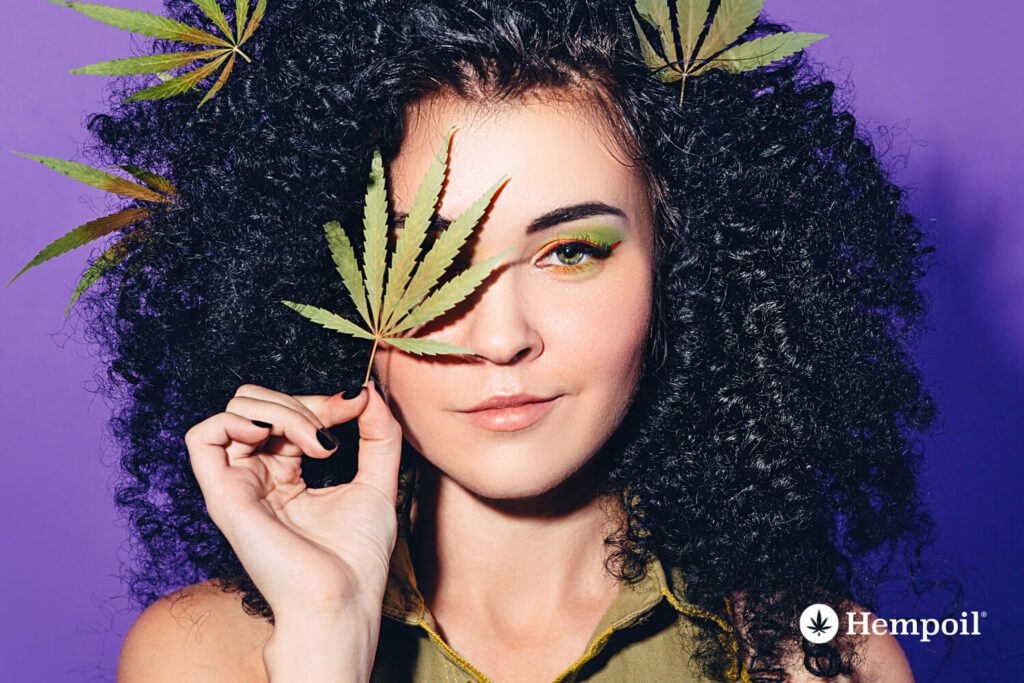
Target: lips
509	413
509	401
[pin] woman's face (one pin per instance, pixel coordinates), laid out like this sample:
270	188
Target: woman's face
559	331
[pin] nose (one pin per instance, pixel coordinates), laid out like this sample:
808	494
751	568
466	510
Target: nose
497	327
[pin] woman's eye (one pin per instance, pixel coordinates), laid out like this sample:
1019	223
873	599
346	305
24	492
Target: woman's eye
572	253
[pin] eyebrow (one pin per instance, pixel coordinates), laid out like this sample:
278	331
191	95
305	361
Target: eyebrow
557	216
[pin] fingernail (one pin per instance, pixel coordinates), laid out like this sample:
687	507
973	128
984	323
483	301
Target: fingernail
352	393
327	439
261	423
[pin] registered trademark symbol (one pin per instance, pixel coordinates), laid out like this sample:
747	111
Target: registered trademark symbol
984	613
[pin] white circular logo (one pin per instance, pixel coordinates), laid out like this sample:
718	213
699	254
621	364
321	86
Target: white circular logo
819	623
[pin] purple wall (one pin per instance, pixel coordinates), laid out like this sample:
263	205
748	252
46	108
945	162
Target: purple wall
930	71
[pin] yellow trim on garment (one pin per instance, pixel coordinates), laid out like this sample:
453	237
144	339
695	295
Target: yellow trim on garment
403	593
737	670
453	654
594	648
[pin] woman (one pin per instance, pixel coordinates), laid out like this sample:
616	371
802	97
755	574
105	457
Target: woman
690	378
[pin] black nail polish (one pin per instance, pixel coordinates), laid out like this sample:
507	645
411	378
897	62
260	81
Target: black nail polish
261	423
327	439
352	393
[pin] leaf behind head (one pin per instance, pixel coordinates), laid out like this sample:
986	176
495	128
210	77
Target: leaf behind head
241	13
85	233
691	15
765	50
212	9
147	24
113	255
257	17
178	85
157	182
147	64
97	178
657	13
731	20
220	81
651	57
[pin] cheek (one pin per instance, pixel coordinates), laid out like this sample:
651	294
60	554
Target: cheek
601	333
415	388
407	378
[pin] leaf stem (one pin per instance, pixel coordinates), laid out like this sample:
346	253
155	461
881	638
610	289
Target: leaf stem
369	367
242	54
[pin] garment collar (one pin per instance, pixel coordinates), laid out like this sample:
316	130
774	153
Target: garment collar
404	603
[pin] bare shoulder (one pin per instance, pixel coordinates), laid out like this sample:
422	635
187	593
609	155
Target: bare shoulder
882	658
199	633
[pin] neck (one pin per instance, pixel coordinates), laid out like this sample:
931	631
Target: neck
523	559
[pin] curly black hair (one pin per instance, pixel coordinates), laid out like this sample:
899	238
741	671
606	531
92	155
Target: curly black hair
772	454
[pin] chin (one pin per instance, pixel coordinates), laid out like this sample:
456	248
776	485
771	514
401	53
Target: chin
545	460
509	474
511	489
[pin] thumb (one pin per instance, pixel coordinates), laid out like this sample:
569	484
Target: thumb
380	445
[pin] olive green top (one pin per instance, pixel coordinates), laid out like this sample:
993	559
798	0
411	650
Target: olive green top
646	635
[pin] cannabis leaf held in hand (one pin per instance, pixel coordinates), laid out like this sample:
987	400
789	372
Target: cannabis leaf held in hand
156	189
407	301
695	56
156	26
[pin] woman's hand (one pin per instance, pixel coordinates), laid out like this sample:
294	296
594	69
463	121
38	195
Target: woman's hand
309	551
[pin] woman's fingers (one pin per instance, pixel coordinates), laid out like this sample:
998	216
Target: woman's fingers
278	445
265	394
295	428
285	422
208	441
380	435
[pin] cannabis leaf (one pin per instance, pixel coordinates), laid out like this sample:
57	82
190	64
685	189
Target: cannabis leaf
411	296
694	56
819	624
154	189
223	49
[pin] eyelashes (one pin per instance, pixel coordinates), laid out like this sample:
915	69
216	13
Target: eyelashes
572	254
566	254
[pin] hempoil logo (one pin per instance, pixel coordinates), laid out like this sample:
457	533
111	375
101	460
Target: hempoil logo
819	624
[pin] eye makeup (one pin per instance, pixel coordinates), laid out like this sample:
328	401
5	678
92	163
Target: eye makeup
579	252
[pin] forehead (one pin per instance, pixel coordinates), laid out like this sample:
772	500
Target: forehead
555	152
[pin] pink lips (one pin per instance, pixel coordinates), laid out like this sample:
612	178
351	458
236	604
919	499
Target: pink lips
509	413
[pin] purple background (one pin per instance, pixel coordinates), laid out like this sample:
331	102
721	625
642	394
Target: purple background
941	78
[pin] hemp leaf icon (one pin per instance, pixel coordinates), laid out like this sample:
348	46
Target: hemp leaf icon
412	296
819	624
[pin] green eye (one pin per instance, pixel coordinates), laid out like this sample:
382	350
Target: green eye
574	253
569	254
